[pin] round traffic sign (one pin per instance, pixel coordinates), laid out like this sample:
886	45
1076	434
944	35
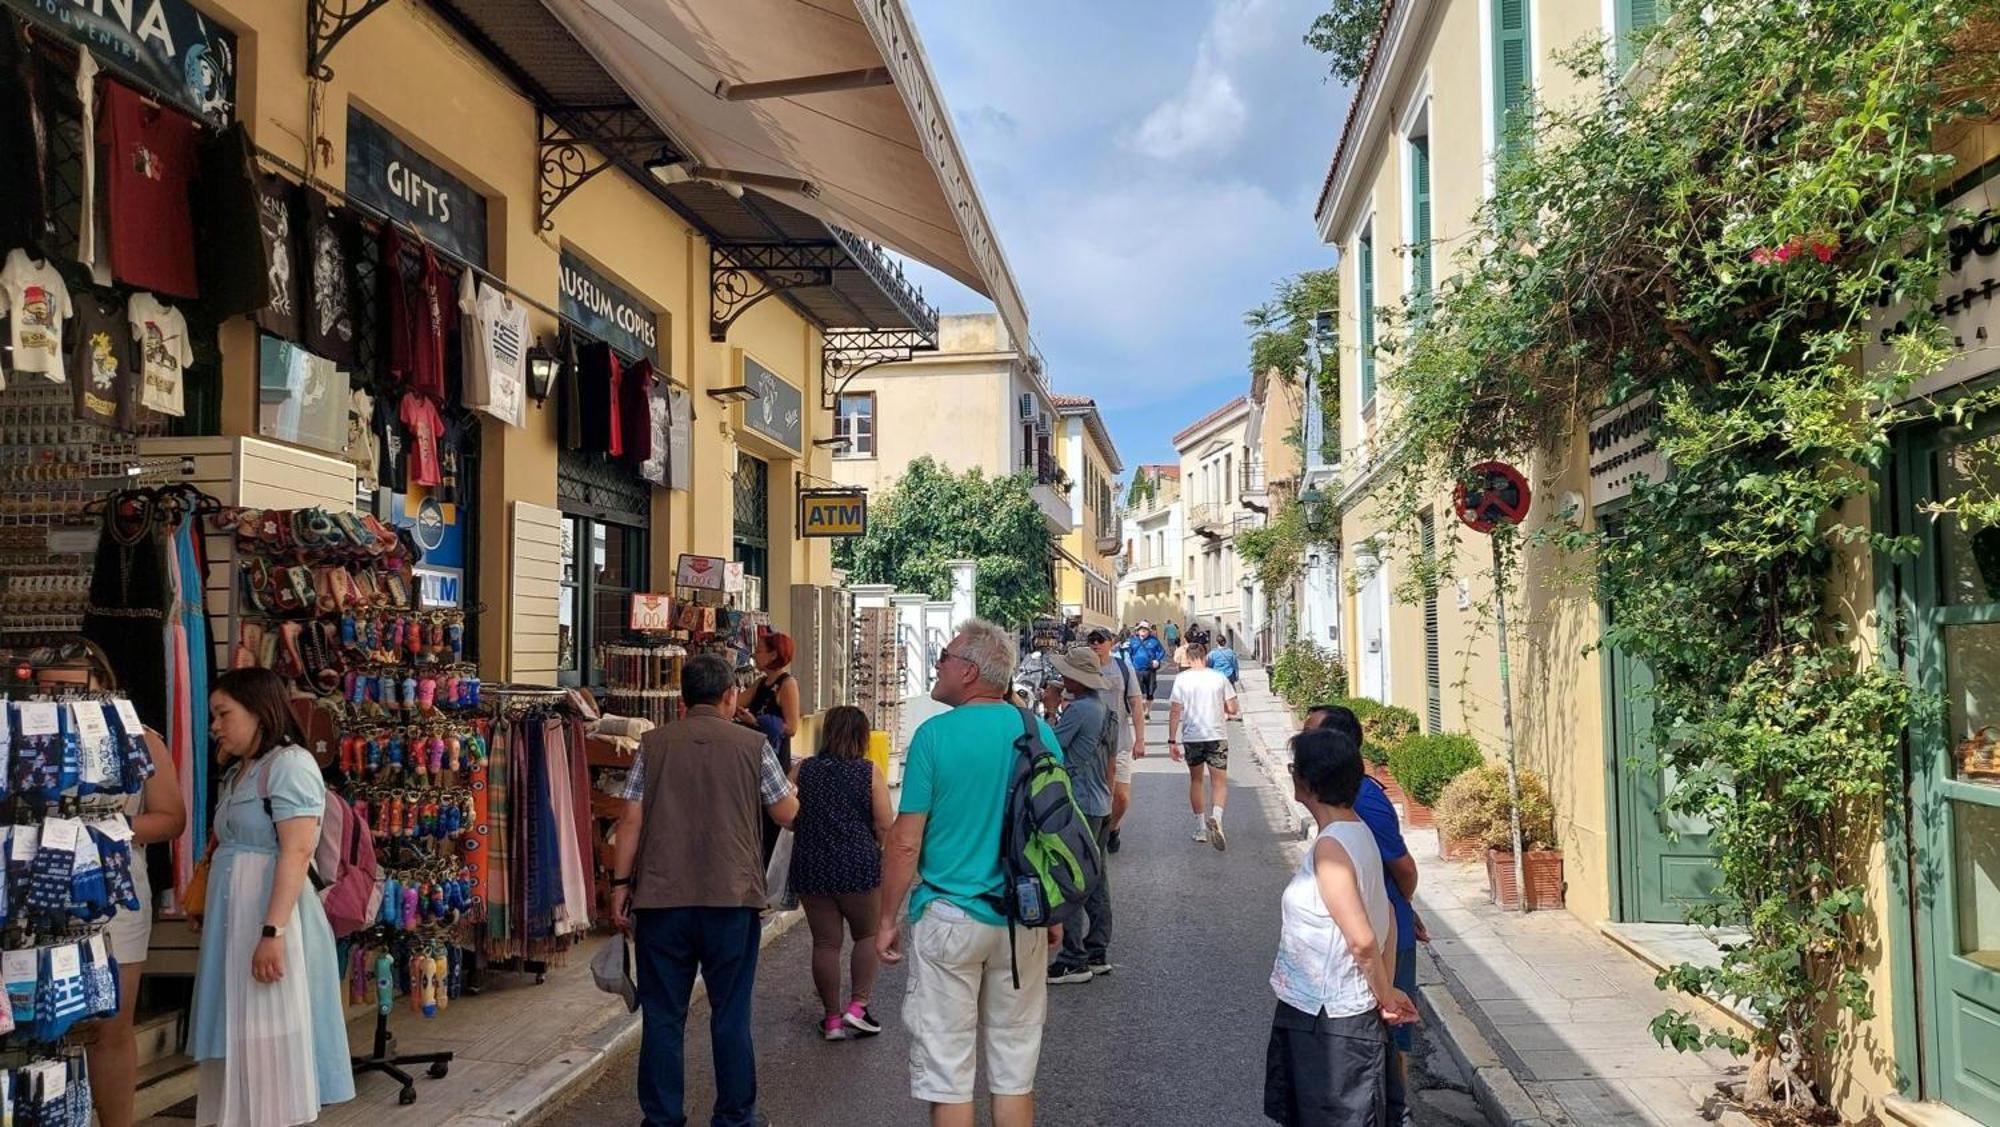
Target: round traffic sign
1491	494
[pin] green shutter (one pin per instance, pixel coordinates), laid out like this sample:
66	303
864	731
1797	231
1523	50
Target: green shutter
1511	73
1635	16
1367	271
1420	221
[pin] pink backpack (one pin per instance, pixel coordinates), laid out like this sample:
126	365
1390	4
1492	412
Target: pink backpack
343	867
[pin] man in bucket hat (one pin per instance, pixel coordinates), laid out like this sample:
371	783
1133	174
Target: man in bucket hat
1088	733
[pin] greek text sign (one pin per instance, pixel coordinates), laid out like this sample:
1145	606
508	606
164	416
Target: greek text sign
832	513
608	311
1968	298
405	185
778	412
167	45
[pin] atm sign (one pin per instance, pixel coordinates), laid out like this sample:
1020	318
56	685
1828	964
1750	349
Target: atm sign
831	513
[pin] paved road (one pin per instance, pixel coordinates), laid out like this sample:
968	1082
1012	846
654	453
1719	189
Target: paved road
1175	1035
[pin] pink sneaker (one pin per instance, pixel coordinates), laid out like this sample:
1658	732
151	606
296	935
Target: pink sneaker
863	1022
833	1028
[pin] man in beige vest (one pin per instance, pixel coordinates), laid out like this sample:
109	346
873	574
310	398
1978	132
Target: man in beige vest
688	883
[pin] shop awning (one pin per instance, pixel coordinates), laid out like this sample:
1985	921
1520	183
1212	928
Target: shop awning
833	96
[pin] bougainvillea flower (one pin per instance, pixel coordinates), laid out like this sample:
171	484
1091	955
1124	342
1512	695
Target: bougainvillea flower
1762	256
1823	251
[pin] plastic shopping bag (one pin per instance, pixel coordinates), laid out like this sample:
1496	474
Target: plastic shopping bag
778	875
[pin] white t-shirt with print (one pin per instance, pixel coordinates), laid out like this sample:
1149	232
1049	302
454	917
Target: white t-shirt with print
164	352
496	365
36	301
1202	692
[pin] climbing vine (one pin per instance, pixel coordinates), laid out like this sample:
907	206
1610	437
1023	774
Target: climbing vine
1723	228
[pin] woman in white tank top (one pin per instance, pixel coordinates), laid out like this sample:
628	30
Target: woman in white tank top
1327	1064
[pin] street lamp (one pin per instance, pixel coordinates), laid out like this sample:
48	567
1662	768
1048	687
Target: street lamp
1313	502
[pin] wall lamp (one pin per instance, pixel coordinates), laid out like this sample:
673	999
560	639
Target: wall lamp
542	368
734	393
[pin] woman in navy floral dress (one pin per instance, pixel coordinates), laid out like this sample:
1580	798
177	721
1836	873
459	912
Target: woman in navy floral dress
844	815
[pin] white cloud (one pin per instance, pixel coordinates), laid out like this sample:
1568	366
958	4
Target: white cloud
1209	113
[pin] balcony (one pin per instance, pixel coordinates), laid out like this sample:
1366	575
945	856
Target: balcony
1050	489
1207	518
1253	490
1110	535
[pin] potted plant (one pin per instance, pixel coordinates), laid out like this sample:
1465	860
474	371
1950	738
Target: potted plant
1472	814
1424	764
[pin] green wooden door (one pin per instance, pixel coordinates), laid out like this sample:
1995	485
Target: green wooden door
1669	860
1953	595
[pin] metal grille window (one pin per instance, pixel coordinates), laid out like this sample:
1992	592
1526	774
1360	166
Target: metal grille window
753	524
1433	689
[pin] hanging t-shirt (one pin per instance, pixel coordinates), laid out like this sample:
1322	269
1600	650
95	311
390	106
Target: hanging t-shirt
329	283
161	334
361	437
36	301
660	417
86	220
392	465
100	358
421	317
25	211
421	416
598	376
230	248
496	356
150	165
278	225
635	413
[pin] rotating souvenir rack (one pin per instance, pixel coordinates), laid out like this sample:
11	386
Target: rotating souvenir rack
71	760
643	680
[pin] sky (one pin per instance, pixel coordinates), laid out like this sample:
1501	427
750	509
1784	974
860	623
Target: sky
1151	168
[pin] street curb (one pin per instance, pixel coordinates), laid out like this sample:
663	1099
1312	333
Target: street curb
546	1087
1494	1085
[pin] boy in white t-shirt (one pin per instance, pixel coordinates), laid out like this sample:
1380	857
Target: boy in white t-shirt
1202	703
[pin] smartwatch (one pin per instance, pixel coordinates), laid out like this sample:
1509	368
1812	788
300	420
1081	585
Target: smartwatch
274	931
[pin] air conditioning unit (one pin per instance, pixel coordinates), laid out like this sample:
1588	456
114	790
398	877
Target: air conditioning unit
1042	426
1027	405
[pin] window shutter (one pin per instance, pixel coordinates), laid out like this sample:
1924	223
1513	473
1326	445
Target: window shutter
1420	221
1367	273
1635	16
1433	659
1510	69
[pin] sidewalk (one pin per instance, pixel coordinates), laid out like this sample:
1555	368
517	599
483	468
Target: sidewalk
1546	1015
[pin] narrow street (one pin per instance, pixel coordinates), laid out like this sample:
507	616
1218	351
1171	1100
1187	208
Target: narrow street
1175	1035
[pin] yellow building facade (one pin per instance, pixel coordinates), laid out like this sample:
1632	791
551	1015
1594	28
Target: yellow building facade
1087	567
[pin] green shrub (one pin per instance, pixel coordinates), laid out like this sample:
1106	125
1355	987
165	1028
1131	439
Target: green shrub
1473	807
1388	725
1307	674
1424	764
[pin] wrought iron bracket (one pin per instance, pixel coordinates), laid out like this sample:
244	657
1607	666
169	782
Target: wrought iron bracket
743	274
566	166
327	23
846	353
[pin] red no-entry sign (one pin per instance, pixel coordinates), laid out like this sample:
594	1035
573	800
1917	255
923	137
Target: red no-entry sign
1491	494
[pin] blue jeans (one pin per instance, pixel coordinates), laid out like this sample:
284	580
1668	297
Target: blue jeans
670	945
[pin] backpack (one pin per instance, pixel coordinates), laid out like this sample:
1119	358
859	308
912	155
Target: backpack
343	869
1048	856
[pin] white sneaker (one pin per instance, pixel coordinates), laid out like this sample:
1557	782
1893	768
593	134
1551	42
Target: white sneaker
1215	837
1201	827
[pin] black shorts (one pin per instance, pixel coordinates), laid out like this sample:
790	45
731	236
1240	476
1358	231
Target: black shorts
1326	1071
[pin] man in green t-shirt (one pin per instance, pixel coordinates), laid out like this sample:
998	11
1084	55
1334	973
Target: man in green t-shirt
946	841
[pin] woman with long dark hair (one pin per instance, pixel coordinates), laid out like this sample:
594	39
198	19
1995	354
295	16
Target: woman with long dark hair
268	1031
844	815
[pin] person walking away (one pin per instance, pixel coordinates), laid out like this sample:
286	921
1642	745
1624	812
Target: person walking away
688	884
1146	654
1202	703
774	708
844	816
946	841
1173	636
1372	804
268	1028
156	814
1088	733
1327	1061
1128	710
1223	660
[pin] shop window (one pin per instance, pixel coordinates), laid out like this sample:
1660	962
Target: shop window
753	526
1977	864
854	420
603	565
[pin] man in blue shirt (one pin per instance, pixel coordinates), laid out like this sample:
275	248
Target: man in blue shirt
1088	733
1146	654
1223	660
1375	809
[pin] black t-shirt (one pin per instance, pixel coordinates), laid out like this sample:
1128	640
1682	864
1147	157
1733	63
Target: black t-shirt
330	242
278	226
597	407
230	248
391	448
100	359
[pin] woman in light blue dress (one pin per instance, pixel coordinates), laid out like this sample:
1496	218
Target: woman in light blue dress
269	1033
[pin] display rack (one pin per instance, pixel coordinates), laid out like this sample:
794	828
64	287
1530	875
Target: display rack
643	680
877	662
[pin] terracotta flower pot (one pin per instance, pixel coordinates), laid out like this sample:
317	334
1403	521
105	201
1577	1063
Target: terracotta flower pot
1390	786
1456	849
1544	873
1416	815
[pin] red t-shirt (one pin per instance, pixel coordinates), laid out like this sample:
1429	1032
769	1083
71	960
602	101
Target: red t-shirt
421	416
422	315
149	161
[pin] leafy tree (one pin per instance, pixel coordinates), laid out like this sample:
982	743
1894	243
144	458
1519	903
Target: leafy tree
1283	342
1345	32
1143	489
933	515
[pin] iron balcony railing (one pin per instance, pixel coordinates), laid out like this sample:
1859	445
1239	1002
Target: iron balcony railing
1253	479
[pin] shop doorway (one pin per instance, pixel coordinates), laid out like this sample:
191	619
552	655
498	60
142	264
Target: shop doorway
605	558
1668	859
1372	603
1951	591
752	540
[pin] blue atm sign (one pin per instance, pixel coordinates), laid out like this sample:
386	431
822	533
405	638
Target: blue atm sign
832	513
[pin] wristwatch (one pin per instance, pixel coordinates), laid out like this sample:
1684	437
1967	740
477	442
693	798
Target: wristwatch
621	882
274	931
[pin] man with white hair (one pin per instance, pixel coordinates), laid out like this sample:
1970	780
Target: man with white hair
946	841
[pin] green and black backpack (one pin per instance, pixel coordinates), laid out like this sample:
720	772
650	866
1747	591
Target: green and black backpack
1047	852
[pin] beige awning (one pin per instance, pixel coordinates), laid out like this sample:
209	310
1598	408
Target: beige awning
870	133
